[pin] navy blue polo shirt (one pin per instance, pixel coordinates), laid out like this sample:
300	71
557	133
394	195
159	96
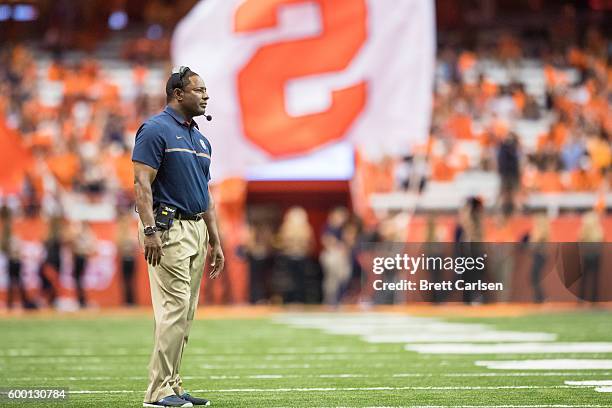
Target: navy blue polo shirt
181	155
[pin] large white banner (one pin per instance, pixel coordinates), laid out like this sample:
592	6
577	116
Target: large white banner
297	78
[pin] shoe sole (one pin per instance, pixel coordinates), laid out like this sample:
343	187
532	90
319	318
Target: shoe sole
185	405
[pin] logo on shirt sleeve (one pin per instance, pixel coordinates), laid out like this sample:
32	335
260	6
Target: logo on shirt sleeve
203	145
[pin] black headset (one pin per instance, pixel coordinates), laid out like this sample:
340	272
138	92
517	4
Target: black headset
176	79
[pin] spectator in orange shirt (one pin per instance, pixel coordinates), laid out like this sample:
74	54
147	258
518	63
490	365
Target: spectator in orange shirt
584	179
549	180
599	150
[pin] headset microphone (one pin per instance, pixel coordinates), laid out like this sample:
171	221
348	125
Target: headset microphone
208	117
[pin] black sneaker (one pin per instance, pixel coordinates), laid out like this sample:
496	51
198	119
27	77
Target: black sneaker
169	401
195	400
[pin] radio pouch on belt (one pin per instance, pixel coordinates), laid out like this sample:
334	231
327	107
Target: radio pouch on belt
164	216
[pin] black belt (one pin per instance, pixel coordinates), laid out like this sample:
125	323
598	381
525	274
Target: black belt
187	217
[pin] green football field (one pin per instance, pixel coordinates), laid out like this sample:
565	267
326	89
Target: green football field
322	360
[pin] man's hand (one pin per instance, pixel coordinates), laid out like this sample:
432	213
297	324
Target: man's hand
153	249
217	261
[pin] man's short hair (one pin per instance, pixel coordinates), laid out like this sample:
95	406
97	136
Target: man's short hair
178	80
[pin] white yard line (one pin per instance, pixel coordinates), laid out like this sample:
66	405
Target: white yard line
603	389
475	336
336	389
480	406
519	374
591	382
556	364
395	327
345	318
502	406
510	348
347	375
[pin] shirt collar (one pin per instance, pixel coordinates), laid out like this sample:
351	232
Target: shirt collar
179	118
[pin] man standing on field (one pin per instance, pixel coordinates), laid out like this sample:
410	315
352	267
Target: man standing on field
177	223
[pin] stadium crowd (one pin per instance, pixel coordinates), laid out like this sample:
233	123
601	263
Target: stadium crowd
573	153
80	143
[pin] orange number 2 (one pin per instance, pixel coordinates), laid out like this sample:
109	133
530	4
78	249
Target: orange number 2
261	82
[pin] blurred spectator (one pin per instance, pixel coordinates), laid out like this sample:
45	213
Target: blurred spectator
600	151
352	235
469	227
51	267
469	236
531	110
258	252
549	180
127	248
508	167
584	177
503	257
591	235
294	241
573	152
10	246
82	244
335	256
433	236
539	237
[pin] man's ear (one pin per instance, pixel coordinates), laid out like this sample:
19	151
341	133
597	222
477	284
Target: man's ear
178	94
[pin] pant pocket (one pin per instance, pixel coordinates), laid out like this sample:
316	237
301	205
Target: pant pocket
165	237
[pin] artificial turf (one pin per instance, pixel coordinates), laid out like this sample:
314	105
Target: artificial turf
263	363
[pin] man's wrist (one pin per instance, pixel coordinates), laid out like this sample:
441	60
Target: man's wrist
150	230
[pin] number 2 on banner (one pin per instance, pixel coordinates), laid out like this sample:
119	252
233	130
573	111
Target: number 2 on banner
261	82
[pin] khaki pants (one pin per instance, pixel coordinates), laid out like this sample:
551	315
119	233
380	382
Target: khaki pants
175	287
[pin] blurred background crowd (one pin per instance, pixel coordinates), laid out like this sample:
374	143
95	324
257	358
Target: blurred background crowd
520	150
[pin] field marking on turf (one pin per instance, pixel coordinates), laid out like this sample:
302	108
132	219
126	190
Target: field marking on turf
353	328
327	357
414	330
476	336
533	374
271	357
401	327
510	348
283	376
591	382
288	366
195	352
330	389
258	366
347	317
266	376
323	350
480	406
293	376
69	360
62	352
557	364
603	389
